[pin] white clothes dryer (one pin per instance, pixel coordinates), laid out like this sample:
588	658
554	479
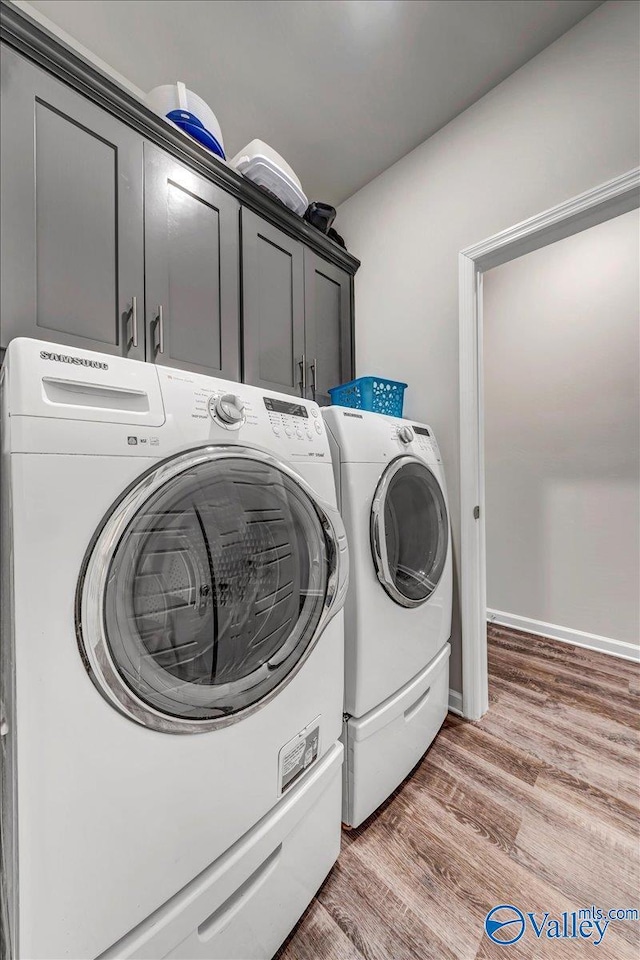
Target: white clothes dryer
393	498
174	568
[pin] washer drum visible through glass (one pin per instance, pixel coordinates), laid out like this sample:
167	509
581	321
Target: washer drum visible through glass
207	587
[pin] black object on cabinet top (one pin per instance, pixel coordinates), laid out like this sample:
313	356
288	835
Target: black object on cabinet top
32	40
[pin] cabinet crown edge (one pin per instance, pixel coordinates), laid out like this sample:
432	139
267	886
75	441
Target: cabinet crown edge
52	54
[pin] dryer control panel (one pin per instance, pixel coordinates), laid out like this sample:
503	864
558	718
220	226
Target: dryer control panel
365	437
416	438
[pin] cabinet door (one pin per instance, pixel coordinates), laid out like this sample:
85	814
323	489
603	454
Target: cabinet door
328	326
192	270
272	306
71	217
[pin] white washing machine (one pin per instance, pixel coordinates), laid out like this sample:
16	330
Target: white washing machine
392	493
172	662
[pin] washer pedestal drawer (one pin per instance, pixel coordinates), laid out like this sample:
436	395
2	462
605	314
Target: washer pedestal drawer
384	745
246	903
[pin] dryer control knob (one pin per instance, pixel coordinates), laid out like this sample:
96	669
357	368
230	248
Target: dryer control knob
229	410
405	434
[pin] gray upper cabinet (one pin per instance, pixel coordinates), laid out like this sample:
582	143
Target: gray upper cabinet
119	234
297	314
192	269
272	306
328	326
71	217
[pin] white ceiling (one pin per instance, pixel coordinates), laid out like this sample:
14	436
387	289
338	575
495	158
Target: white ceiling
341	88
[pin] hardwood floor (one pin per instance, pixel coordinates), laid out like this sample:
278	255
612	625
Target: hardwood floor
536	805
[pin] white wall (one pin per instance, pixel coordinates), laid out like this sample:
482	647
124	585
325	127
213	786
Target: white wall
565	122
562	432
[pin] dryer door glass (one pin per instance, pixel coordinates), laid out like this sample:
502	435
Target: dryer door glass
216	587
409	531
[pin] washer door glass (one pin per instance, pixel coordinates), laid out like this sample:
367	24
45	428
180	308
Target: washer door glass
215	589
409	531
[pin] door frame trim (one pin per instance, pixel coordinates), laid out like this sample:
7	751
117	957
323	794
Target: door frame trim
604	202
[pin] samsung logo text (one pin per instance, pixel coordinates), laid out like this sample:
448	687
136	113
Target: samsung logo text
80	361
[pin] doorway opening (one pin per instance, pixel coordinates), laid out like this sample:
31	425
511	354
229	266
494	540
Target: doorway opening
605	202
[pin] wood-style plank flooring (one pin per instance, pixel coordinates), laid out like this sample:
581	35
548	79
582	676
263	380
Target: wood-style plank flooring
535	805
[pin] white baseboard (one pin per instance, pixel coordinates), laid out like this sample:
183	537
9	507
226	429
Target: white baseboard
455	702
616	648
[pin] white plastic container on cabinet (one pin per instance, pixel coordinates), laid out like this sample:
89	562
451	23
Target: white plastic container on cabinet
190	114
263	165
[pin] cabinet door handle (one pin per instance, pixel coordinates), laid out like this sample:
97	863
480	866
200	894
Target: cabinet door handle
302	383
313	366
133	314
160	329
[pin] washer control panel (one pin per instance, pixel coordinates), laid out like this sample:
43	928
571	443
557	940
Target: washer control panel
228	410
293	420
203	409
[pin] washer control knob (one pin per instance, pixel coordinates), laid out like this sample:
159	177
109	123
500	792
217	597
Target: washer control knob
405	434
228	409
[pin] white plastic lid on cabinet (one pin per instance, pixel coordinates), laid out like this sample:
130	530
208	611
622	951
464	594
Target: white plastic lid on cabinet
263	165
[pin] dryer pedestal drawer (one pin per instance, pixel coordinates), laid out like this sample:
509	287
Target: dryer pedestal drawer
245	904
385	744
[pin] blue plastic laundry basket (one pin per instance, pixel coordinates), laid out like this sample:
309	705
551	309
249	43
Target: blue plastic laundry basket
370	393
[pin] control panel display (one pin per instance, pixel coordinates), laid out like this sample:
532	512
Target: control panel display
282	406
421	431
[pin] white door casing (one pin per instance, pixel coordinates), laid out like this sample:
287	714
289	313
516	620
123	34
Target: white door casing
604	202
